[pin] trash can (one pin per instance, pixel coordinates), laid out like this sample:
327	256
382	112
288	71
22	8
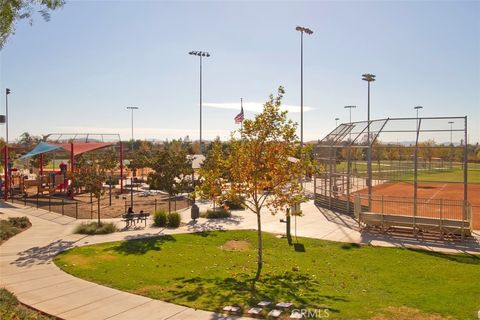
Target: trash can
195	212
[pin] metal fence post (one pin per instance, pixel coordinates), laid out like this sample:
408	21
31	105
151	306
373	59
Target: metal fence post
63	206
25	200
37	200
49	203
441	219
76	210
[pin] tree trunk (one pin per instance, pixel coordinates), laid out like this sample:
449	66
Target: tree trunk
169	203
98	210
289	234
260	246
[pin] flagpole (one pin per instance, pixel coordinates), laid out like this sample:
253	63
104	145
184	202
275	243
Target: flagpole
241	123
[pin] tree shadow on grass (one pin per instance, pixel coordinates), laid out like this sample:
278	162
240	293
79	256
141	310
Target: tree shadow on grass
205	234
299	247
349	246
141	246
465	258
241	290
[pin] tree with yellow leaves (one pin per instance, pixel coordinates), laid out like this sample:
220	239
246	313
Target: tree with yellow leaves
261	165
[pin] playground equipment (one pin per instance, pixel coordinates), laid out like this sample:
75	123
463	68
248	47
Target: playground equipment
62	180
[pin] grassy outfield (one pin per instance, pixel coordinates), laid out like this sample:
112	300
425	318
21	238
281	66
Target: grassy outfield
387	171
455	175
211	270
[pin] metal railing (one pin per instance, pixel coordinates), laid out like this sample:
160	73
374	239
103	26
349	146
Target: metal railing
91	209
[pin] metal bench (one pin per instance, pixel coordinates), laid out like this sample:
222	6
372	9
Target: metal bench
134	218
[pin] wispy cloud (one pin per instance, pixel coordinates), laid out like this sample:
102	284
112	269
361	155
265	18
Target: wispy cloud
253	106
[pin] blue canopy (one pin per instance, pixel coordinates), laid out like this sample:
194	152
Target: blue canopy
42	147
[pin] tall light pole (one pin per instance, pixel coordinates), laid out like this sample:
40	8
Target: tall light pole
7	92
336	122
350	111
369	78
132	108
451	130
200	54
131	148
417	108
6	188
308	31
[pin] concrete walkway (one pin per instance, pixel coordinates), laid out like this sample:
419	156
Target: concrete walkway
26	266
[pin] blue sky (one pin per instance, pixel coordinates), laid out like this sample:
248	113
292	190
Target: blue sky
78	72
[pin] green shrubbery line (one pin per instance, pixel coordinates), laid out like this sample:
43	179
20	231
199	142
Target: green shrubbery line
162	218
13	226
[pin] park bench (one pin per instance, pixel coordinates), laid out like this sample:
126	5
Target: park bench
134	218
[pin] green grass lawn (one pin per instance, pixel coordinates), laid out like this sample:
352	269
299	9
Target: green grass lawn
211	270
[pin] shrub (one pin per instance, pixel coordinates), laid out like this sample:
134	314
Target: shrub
236	203
174	220
95	228
20	222
218	213
7	231
160	218
13	226
10	308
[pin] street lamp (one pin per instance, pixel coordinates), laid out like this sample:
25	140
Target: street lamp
336	122
200	54
350	111
369	78
417	108
131	148
7	92
308	31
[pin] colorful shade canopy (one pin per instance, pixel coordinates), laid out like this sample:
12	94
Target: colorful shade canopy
78	148
40	148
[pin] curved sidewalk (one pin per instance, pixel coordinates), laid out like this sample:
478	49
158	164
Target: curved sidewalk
27	270
26	266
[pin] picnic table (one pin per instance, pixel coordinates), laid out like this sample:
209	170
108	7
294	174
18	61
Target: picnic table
133	218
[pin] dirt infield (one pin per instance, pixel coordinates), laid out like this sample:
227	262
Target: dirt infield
436	196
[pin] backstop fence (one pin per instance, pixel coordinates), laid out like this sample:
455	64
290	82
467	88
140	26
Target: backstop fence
406	166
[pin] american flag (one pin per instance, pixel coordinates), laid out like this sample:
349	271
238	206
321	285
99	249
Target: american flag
239	117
